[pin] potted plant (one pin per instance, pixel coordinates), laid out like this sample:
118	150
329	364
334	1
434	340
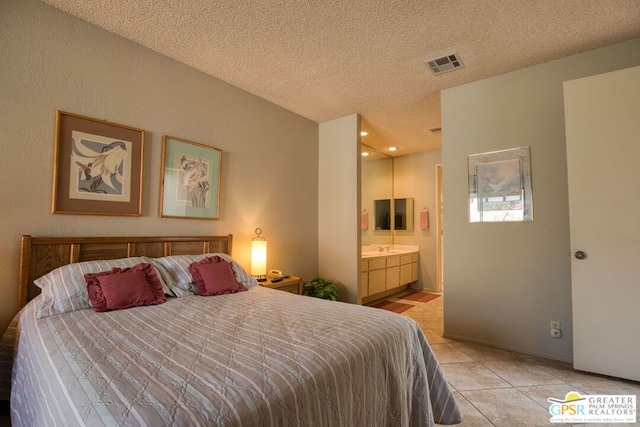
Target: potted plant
320	288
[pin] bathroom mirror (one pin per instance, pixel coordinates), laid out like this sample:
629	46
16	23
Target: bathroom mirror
403	214
382	215
376	173
398	218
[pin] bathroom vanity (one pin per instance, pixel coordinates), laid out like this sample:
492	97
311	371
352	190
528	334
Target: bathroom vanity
387	269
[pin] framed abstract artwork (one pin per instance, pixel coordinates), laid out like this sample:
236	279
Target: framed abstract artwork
97	167
500	186
190	180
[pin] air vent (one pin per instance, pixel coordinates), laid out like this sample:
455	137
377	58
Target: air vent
444	64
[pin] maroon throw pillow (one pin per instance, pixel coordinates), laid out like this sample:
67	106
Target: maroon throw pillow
215	276
123	288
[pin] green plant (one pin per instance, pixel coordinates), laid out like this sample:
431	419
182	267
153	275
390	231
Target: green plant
320	288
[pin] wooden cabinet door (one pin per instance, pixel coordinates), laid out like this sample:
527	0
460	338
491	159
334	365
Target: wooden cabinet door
393	277
376	281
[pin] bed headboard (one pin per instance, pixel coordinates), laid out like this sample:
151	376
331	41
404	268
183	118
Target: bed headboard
40	255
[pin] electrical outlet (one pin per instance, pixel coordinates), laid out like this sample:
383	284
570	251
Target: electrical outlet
556	332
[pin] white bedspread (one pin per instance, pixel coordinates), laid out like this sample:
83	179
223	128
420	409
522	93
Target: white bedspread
255	358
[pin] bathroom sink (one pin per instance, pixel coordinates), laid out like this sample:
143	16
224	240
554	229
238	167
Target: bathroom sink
383	253
372	253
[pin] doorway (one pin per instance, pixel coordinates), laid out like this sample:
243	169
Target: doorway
439	229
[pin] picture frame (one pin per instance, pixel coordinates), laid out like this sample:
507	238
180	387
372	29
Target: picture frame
97	167
500	186
190	185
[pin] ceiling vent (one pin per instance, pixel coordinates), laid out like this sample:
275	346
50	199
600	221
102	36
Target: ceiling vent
444	64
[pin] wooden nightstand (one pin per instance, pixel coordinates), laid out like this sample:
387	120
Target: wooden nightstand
291	284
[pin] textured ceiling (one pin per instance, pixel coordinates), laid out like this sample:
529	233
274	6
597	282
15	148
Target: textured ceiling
325	59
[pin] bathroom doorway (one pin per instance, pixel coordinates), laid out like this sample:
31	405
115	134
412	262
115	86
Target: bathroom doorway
439	228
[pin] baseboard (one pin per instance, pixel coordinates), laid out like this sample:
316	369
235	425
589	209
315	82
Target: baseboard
558	357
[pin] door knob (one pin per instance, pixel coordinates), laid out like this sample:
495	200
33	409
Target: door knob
580	255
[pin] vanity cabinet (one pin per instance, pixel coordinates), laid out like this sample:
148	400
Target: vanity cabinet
384	275
408	268
393	272
364	272
373	276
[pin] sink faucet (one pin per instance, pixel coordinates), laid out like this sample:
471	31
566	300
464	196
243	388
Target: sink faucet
383	248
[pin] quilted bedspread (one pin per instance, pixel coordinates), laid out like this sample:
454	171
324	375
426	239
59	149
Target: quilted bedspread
255	358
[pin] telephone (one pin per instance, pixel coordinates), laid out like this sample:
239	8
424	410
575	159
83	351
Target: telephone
275	275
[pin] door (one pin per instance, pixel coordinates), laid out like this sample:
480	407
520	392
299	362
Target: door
602	118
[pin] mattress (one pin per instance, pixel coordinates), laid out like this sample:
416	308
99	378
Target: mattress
257	358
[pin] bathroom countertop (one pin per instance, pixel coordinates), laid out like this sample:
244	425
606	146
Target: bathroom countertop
373	251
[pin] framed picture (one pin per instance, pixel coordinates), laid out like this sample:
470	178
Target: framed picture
97	167
500	186
190	180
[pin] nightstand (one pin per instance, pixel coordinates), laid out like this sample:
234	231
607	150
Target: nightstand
291	284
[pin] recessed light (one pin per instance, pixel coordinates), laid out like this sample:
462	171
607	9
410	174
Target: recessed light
364	154
392	148
364	133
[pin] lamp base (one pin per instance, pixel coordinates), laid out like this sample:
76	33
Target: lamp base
261	278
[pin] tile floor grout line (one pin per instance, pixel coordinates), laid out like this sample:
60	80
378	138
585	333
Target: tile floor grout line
431	313
476	408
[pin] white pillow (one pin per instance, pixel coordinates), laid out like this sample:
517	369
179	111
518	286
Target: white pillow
65	289
174	270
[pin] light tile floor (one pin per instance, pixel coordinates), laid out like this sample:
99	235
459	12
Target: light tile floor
502	388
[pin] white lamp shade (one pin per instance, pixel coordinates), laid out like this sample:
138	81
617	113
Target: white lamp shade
258	257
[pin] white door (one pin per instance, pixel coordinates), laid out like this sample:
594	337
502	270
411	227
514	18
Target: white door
602	118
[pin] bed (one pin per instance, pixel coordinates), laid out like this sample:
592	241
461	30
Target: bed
256	357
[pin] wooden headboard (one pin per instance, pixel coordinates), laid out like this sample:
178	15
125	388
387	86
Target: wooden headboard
40	255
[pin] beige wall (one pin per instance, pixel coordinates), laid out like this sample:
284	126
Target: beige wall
414	176
504	282
339	205
50	61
